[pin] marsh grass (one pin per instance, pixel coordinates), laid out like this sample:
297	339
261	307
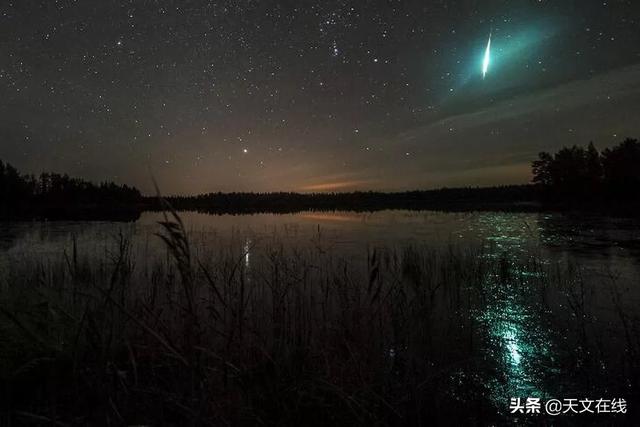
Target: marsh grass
294	337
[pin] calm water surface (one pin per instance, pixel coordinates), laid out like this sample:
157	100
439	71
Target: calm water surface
518	347
599	244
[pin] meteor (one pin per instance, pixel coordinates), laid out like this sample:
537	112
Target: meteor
487	56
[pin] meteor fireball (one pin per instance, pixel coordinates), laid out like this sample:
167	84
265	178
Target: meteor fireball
487	57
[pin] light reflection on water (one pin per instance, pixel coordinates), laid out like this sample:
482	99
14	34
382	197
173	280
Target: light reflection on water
247	252
519	345
516	340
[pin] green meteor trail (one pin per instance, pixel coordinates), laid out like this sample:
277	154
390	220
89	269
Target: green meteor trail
487	56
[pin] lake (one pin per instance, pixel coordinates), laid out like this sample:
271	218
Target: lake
519	338
599	244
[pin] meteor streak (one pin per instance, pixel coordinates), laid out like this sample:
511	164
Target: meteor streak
487	56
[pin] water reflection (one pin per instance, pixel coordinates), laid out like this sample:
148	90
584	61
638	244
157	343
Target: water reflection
332	217
247	252
518	345
517	342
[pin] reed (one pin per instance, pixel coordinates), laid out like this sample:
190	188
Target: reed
299	336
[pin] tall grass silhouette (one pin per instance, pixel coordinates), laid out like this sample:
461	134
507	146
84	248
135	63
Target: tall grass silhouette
298	337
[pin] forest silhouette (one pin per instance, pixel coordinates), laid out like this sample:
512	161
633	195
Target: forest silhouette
577	172
51	195
572	178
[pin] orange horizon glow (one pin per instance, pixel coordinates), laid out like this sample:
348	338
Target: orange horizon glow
334	185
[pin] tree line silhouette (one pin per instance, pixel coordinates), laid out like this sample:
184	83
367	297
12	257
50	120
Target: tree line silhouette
51	194
580	173
573	176
508	197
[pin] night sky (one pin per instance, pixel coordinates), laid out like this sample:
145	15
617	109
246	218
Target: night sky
252	95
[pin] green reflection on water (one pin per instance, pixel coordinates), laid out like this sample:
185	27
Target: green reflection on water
517	345
515	350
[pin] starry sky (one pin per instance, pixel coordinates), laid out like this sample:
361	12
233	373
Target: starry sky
332	95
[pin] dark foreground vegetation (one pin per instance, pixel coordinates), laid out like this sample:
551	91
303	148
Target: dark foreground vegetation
406	336
574	178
